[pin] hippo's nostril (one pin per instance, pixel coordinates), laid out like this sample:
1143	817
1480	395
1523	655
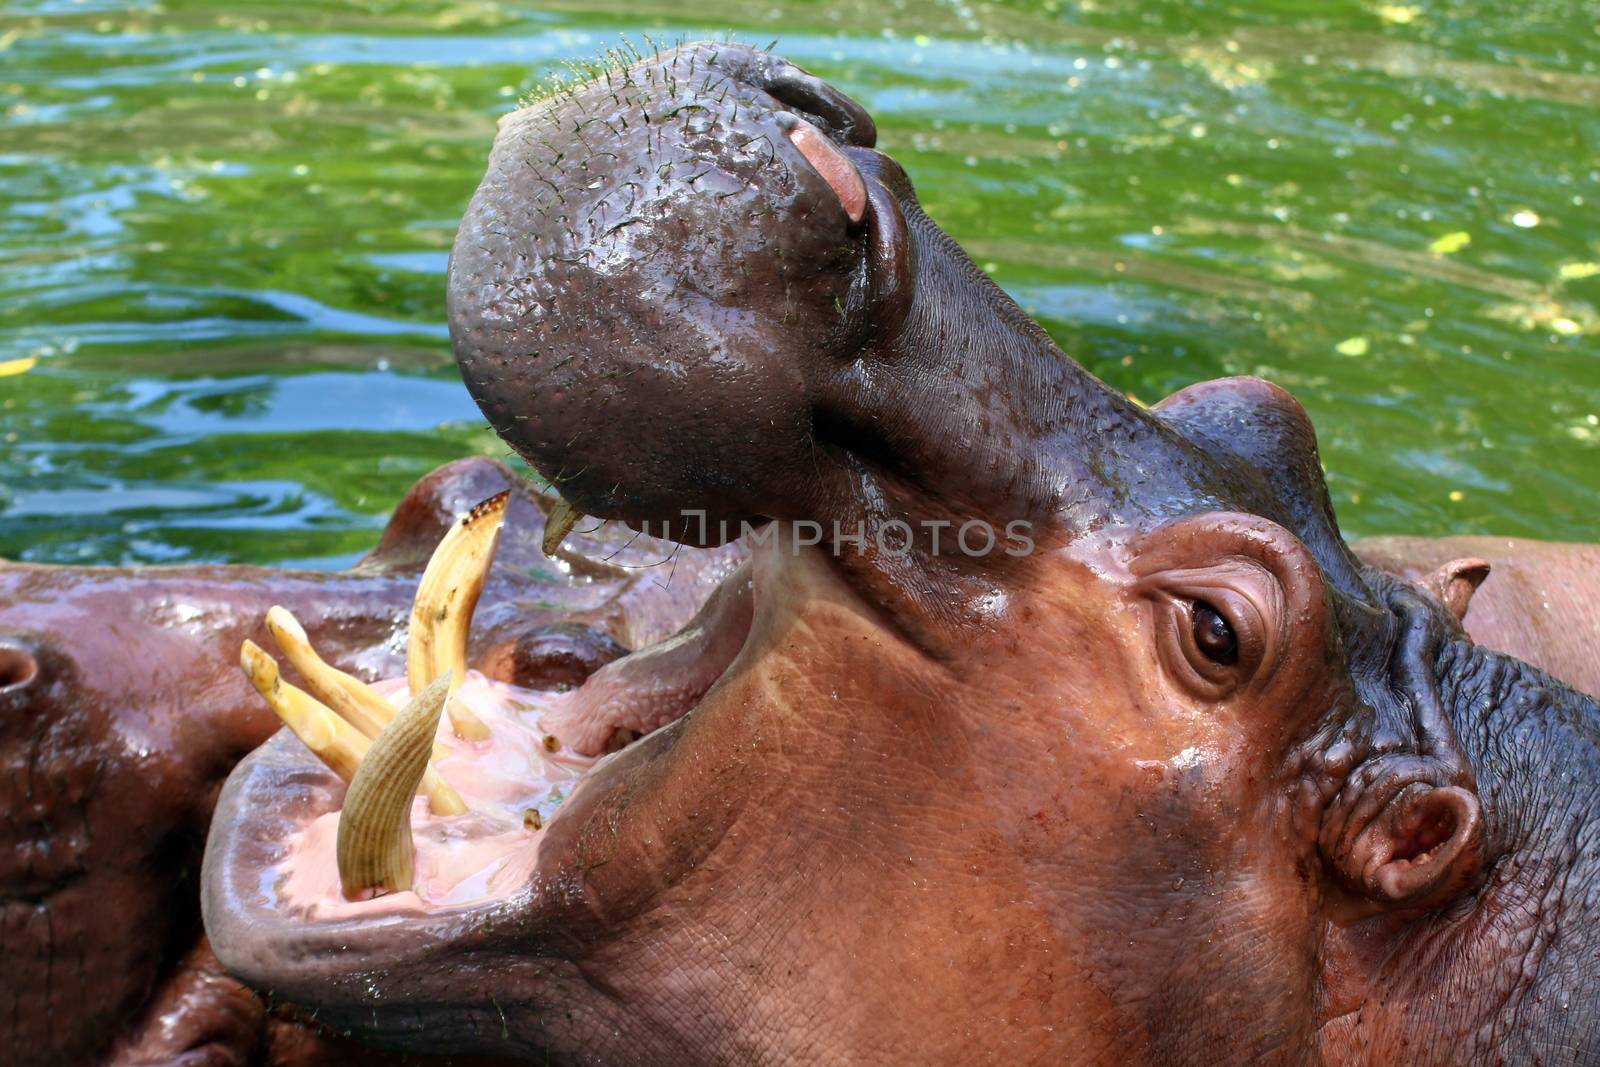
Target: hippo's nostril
17	667
840	117
828	161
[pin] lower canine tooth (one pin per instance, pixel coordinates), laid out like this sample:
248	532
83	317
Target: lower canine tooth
374	846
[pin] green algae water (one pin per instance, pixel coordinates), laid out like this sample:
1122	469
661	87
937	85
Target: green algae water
224	230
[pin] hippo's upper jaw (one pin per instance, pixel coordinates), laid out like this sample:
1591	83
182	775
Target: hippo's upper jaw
680	225
1043	727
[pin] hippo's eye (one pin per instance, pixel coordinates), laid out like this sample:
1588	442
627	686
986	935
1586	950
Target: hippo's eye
1215	627
1213	636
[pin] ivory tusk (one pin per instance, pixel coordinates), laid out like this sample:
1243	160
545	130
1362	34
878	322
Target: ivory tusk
374	846
441	614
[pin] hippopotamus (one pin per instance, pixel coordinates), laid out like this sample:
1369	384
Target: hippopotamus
1038	726
122	709
1543	605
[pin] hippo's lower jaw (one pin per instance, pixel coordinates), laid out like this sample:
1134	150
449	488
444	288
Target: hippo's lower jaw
602	863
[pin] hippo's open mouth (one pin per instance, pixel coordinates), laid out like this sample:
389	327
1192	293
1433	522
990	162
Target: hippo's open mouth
543	793
448	811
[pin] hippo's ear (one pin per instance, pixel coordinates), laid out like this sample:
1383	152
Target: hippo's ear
1418	846
429	508
439	499
1405	828
1455	582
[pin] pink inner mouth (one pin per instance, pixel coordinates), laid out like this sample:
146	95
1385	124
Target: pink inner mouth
542	745
512	785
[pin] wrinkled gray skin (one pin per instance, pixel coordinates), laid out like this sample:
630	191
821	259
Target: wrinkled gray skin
1186	783
1541	602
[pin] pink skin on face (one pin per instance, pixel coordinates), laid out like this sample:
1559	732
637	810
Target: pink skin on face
840	174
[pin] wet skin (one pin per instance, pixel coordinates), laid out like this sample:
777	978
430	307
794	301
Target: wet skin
196	1009
1186	783
122	709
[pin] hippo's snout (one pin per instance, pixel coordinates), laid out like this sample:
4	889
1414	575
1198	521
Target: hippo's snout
655	283
31	665
692	295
